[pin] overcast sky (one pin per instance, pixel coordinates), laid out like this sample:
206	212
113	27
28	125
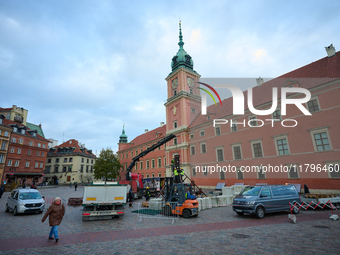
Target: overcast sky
84	68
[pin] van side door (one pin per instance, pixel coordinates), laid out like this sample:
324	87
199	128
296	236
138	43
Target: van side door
265	198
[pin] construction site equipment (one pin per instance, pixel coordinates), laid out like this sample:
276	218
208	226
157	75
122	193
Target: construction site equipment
101	202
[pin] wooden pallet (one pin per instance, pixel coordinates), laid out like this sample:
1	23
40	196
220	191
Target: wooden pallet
75	201
145	204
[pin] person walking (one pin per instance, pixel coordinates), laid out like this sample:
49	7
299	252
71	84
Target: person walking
56	213
75	186
130	197
2	190
147	194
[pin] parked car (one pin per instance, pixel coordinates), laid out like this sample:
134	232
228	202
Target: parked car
260	200
25	201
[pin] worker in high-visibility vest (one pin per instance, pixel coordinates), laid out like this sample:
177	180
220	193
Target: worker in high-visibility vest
176	176
181	174
147	194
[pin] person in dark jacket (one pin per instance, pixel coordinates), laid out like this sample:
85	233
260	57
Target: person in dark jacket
75	186
2	190
130	197
56	213
147	194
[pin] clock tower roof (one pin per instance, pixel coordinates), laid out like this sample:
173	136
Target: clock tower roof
123	137
182	58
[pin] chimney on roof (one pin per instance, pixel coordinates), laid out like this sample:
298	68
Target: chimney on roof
146	130
330	50
259	81
162	124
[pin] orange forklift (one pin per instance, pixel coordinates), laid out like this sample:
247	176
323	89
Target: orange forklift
179	197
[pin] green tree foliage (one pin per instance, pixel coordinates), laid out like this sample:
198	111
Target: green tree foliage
107	165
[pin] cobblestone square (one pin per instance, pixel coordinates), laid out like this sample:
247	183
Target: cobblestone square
214	231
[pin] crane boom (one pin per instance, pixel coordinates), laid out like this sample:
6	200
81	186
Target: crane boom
143	153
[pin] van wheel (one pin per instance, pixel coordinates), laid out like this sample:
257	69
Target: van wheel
15	213
186	213
6	208
260	212
240	213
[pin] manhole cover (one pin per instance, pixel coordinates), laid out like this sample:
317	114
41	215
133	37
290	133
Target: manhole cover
240	236
319	226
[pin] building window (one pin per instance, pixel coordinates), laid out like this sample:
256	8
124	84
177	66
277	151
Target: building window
38	153
237	152
204	169
175	92
147	164
257	149
203	148
293	172
219	155
153	175
3	145
44	146
192	150
21	141
321	141
28	152
222	175
12	148
334	169
36	165
260	174
56	169
164	161
87	168
91	161
82	160
239	174
194	171
64	169
175	141
153	163
276	115
282	146
217	131
81	168
6	133
313	105
14	140
87	161
252	121
27	164
41	165
159	175
49	161
91	169
159	162
175	124
57	160
233	126
9	163
2	159
69	160
65	160
19	151
202	133
191	136
39	145
141	165
30	143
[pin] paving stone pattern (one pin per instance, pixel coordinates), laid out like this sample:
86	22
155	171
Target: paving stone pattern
214	231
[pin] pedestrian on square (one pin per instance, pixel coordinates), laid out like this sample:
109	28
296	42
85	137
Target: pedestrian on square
2	190
147	194
130	197
56	213
75	186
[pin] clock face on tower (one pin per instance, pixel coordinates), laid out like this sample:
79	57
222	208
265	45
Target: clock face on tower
190	82
174	83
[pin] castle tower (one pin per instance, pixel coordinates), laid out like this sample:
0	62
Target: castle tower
183	103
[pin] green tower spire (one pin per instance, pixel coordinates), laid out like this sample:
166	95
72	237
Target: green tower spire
123	137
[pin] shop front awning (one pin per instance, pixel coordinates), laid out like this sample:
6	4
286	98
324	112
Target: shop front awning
24	174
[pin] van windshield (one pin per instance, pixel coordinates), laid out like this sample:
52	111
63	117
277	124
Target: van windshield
29	195
251	191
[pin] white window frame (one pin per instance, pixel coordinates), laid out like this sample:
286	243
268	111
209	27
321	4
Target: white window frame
328	163
232	148
205	145
317	100
258	173
16	163
296	171
12	150
159	162
192	150
27	164
215	129
278	109
280	137
252	147
9	163
217	149
19	151
320	130
202	132
238	170
253	117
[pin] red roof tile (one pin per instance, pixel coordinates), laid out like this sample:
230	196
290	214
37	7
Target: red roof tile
75	144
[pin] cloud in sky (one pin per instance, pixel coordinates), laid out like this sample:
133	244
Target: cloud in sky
84	68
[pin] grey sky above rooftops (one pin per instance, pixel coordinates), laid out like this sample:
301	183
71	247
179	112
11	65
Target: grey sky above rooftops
84	68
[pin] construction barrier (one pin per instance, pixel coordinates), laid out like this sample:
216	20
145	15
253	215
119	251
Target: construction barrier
312	205
156	211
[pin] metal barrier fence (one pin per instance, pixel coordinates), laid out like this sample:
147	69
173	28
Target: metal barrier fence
156	211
